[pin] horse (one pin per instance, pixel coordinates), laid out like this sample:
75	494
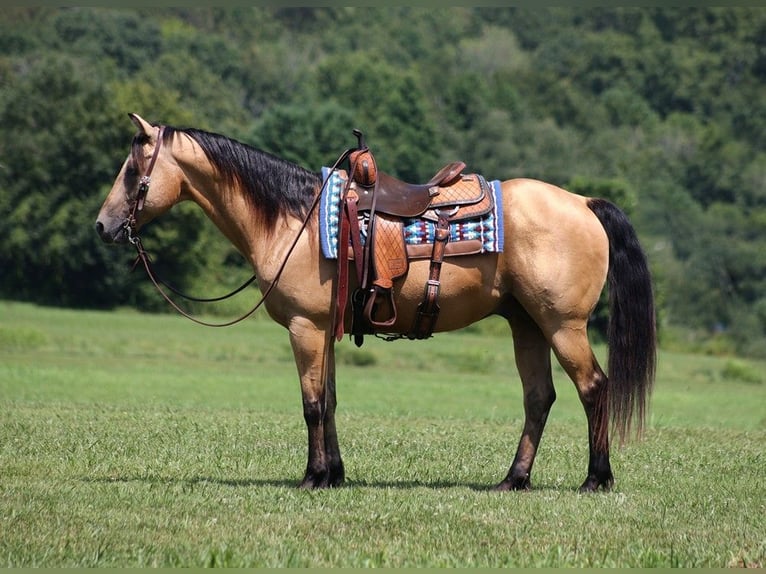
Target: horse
561	250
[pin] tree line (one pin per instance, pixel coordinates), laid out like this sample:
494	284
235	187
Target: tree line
662	110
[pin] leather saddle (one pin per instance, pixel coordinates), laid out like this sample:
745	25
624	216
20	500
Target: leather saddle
381	203
400	199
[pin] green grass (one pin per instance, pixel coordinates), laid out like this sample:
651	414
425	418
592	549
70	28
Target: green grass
139	440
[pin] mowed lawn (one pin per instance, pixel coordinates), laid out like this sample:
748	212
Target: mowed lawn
141	440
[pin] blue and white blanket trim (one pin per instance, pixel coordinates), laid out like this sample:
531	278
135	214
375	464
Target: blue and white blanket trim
488	228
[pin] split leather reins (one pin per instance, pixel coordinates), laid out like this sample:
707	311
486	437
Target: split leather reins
142	256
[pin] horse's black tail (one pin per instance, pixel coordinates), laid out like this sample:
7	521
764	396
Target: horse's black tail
632	327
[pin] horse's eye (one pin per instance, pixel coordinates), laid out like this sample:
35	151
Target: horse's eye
131	171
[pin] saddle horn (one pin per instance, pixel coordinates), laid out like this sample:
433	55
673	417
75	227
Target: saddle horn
363	168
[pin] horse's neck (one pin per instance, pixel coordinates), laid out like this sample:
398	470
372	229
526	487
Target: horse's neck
231	212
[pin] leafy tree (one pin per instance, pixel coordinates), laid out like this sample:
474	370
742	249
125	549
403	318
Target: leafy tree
122	36
194	86
309	136
56	155
388	105
61	146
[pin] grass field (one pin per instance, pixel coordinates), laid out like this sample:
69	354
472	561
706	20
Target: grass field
136	440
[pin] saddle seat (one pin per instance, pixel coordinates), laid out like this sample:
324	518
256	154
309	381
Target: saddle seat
401	199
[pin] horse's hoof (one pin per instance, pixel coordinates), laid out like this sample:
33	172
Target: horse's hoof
314	482
593	483
309	485
517	483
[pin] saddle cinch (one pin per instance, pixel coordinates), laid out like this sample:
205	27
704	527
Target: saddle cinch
378	203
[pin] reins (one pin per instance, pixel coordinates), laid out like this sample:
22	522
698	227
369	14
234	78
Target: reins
143	257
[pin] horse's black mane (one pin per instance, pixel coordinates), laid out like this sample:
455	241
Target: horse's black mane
272	185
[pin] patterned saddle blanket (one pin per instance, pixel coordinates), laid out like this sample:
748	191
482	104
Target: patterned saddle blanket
468	236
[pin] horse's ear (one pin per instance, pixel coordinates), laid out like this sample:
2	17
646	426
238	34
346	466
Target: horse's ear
142	124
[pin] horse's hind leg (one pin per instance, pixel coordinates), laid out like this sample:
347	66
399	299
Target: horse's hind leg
533	360
574	352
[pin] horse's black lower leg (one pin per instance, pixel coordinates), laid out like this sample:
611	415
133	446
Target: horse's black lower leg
599	468
533	362
536	413
599	473
317	470
324	468
332	449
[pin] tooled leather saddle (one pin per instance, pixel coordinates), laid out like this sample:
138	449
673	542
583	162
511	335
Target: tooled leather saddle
374	206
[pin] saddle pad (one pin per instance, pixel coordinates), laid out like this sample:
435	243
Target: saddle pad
417	231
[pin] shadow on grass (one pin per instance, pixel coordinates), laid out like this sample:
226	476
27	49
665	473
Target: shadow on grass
436	485
192	481
413	484
289	483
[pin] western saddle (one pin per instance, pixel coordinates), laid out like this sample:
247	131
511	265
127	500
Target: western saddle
374	206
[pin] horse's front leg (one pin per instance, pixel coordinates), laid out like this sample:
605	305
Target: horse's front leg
332	448
314	353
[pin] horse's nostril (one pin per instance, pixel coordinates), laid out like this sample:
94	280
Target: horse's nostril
99	228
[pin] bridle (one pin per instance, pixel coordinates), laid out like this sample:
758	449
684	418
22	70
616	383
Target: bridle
130	227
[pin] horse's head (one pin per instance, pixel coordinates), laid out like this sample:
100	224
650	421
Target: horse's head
148	185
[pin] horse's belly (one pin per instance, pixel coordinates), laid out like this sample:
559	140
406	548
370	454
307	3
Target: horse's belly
468	292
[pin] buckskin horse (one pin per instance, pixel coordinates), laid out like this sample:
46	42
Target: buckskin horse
560	251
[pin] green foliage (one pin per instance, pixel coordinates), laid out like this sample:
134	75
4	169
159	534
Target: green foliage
388	105
117	35
664	108
355	357
53	158
742	372
617	191
304	135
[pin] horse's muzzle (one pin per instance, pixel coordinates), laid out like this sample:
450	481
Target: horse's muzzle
111	233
